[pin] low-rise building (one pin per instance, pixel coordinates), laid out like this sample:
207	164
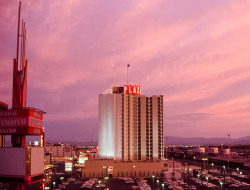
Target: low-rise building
59	152
111	168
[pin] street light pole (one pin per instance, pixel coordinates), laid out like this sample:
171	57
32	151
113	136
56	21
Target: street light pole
240	177
153	181
238	174
105	169
224	167
133	170
162	186
188	175
221	184
99	183
198	180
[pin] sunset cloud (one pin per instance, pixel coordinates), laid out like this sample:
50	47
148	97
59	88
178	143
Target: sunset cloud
195	53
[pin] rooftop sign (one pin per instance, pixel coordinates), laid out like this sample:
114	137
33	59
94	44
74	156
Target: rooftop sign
21	121
132	89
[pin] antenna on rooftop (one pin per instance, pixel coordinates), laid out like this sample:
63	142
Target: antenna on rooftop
128	65
23	46
23	42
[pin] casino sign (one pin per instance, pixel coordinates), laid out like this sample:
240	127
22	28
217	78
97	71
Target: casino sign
132	89
26	121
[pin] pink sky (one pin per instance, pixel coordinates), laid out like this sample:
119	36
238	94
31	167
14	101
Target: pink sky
195	53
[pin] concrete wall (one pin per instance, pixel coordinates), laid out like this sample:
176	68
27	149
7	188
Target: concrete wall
13	161
143	128
106	126
37	160
118	127
21	161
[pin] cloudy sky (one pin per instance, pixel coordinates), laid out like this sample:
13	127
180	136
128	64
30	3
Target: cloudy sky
194	52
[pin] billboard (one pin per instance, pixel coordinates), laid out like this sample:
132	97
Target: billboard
110	169
68	166
21	121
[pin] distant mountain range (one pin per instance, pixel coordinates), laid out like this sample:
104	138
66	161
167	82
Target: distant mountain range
205	141
76	143
170	140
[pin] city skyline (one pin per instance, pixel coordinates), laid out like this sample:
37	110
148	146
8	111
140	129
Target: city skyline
194	53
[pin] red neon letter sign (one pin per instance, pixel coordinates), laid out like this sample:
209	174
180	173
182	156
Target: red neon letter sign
129	89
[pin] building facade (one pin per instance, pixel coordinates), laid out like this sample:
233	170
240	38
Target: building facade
130	125
111	168
59	151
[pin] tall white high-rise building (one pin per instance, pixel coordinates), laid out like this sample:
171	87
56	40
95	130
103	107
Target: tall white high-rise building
130	125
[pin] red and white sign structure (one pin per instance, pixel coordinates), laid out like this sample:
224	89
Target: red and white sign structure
110	169
132	89
21	121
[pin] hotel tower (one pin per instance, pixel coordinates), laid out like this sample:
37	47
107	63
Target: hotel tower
130	125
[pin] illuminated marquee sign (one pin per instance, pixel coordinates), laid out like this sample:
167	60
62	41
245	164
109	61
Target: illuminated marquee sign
68	166
132	89
82	159
8	130
21	121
